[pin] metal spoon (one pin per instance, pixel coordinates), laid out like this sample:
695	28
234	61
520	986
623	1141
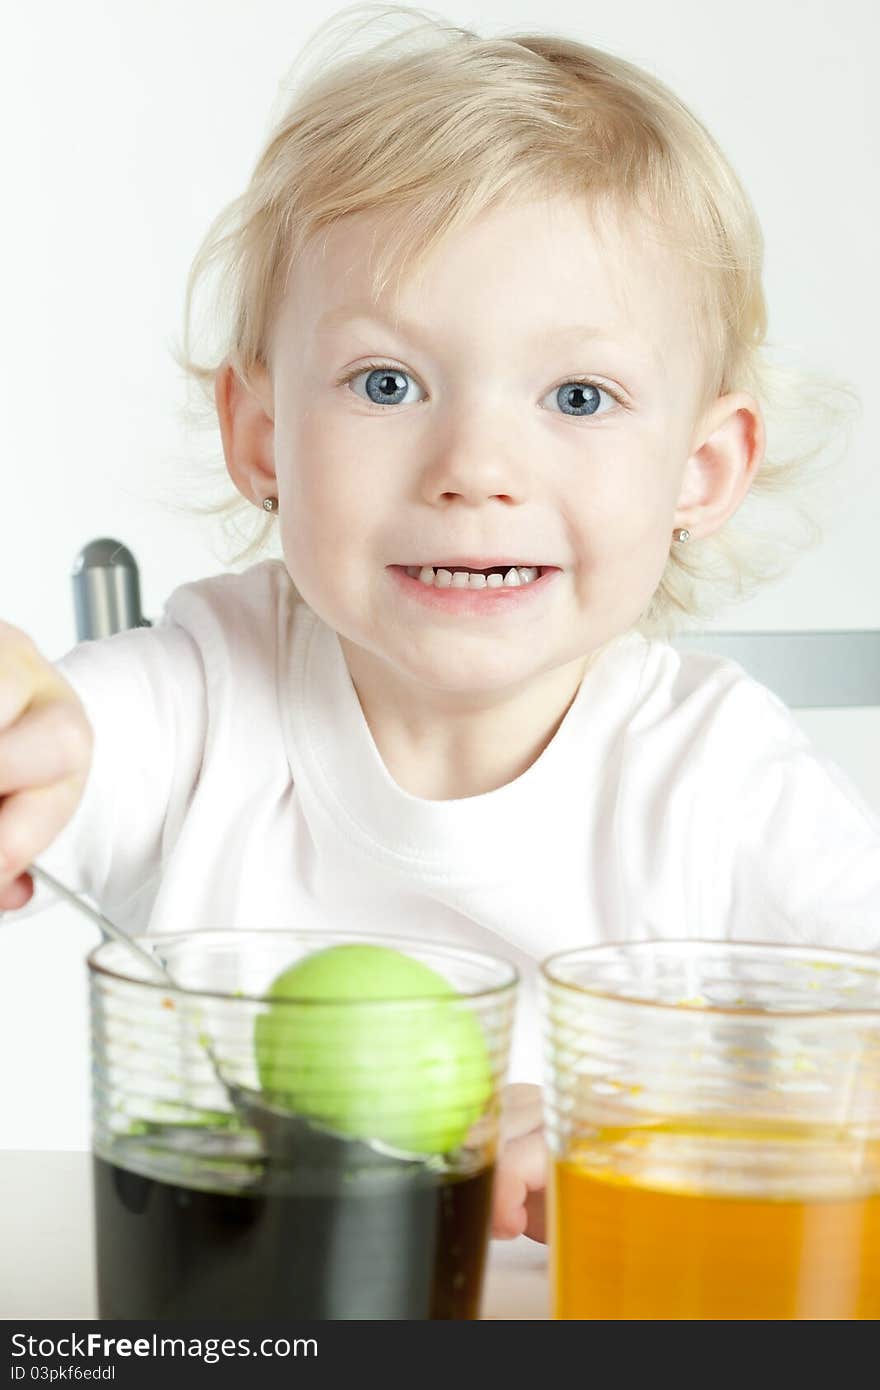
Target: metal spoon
144	957
107	927
284	1132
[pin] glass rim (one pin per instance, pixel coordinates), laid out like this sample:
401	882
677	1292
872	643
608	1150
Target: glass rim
460	953
860	960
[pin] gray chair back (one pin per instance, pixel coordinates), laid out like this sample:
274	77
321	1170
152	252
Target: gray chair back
808	670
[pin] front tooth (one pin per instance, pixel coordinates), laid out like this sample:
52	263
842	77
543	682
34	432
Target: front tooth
462	579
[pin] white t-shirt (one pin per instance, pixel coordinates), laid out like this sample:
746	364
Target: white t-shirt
235	783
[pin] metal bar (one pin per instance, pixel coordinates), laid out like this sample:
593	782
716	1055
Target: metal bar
808	670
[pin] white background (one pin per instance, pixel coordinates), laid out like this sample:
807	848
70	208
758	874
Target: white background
127	127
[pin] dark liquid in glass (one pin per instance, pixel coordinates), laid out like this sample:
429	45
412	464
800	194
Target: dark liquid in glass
326	1239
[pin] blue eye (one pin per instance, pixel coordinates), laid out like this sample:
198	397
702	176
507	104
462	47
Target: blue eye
386	384
581	397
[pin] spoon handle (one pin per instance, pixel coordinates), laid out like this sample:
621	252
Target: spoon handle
107	927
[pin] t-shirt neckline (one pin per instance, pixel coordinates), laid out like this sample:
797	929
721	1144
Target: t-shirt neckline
334	757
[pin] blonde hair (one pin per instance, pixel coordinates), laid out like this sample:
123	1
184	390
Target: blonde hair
433	124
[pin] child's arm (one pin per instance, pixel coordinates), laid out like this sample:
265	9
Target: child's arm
521	1174
46	744
141	695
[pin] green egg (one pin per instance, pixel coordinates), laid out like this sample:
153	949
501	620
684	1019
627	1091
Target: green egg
356	1053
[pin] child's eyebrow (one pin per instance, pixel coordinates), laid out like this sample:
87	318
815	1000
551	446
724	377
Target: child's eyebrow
635	351
346	317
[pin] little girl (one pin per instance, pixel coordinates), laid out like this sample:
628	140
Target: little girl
500	483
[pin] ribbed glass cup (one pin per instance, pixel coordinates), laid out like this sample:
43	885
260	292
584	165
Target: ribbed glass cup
713	1120
308	1158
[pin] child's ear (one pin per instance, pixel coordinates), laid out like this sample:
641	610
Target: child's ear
247	427
719	472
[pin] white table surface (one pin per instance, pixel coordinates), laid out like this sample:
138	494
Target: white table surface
47	1258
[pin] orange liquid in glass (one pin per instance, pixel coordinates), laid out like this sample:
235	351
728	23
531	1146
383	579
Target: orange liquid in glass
624	1248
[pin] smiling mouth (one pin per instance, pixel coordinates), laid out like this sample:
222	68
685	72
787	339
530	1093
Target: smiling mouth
452	576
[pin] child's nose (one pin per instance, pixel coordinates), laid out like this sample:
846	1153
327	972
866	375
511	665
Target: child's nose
474	466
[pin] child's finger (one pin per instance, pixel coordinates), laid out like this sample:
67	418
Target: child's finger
17	893
508	1204
46	744
527	1156
29	821
521	1172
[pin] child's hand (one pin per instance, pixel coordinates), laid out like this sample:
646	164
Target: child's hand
521	1173
45	753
